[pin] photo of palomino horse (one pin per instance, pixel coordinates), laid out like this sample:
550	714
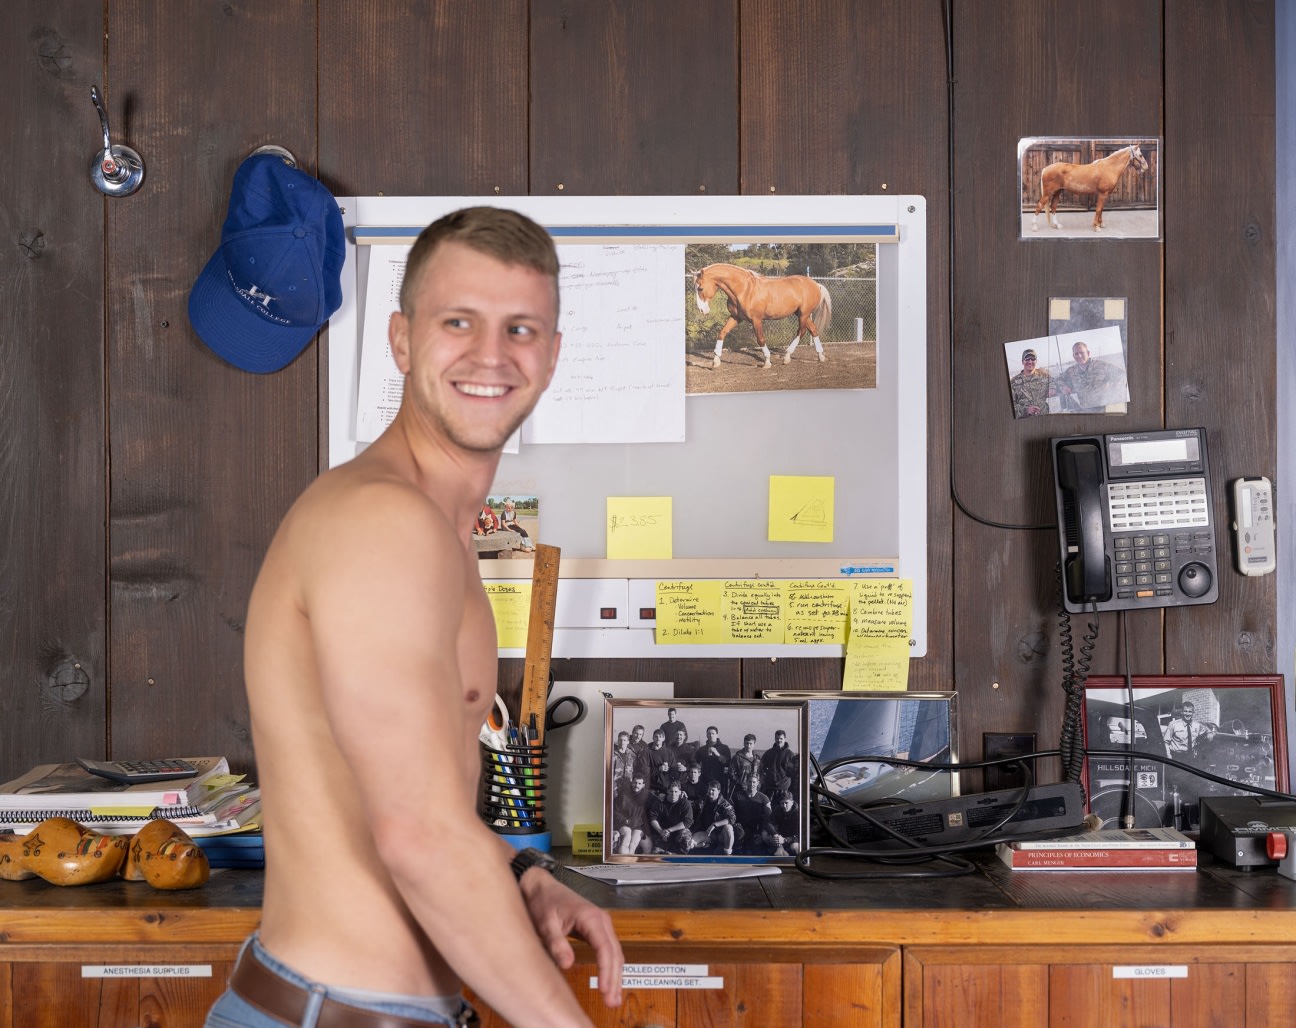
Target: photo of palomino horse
1098	178
756	298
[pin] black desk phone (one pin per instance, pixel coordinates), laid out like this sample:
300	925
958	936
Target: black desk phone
1135	526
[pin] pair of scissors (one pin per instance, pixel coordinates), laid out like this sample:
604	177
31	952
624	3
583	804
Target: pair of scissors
564	711
494	732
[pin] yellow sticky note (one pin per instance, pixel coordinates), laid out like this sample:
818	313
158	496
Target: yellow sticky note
752	611
1114	309
881	609
801	508
639	528
511	603
1059	309
689	612
815	612
880	665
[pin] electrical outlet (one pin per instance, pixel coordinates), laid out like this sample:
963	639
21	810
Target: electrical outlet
995	745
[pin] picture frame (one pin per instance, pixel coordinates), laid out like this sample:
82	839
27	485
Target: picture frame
1236	730
643	819
913	725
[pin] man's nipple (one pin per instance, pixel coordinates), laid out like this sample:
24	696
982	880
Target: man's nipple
472	696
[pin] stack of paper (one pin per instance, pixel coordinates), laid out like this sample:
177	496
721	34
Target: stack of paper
212	802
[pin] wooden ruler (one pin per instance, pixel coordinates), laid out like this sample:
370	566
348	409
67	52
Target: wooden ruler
540	633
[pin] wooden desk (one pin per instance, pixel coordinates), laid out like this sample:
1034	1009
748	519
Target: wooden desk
999	948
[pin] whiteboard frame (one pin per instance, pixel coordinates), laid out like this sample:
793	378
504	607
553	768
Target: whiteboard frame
903	292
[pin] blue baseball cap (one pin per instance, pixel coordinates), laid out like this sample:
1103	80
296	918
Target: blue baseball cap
277	276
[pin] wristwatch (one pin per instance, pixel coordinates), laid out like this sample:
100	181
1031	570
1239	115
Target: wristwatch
529	858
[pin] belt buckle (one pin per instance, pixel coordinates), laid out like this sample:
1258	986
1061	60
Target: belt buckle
467	1016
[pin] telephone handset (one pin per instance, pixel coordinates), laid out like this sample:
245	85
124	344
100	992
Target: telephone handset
1134	520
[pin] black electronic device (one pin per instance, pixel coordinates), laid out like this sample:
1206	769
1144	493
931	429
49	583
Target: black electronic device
1135	525
1236	829
132	772
962	819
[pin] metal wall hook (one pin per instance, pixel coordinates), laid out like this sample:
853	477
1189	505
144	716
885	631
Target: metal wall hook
282	152
117	170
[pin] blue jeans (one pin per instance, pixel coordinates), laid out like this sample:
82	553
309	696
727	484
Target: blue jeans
232	1011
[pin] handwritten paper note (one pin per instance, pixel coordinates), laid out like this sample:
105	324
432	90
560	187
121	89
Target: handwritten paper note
752	611
511	603
801	508
689	612
815	612
381	384
639	528
620	377
881	624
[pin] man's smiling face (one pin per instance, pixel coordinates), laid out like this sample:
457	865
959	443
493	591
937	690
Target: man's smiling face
478	348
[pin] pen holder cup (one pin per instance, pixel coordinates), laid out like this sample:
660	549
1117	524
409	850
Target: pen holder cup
513	793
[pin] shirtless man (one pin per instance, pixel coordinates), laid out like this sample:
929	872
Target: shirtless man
370	663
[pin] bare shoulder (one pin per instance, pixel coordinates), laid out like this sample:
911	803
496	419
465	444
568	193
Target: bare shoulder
362	522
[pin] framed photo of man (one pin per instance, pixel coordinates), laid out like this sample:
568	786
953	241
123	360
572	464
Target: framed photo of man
707	780
1159	748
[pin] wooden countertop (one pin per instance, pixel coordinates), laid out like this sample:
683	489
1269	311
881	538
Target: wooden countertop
1216	905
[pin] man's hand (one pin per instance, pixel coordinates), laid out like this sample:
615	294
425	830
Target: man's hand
557	912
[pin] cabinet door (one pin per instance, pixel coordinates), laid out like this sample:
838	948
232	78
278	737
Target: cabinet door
1100	986
53	994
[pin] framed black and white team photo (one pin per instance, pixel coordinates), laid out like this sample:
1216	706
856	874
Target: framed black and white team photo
705	780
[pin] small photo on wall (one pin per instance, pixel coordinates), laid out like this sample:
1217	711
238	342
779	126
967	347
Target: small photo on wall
1079	314
1069	373
1089	188
507	525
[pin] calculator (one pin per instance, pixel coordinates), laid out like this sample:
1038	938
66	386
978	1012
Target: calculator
132	772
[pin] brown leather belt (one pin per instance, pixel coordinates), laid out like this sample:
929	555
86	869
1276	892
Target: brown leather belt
278	997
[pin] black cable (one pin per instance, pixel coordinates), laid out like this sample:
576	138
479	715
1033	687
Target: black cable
1128	816
1074	673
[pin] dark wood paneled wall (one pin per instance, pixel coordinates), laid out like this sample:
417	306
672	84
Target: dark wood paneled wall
141	478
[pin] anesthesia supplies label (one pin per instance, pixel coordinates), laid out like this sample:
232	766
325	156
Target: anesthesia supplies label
146	971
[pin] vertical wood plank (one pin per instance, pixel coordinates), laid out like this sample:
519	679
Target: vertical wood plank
632	98
205	458
52	606
1219	296
422	98
1270	994
55	995
753	995
1034	69
1210	997
6	996
852	994
851	98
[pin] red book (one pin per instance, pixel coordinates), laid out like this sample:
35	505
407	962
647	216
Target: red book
1098	859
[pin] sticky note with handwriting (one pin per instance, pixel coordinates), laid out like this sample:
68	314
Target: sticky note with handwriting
752	610
689	612
801	508
639	528
880	609
877	665
511	604
815	612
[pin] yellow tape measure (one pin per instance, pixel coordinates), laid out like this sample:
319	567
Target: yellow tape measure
540	631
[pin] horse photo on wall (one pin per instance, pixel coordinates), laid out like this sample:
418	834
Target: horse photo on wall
1089	188
787	315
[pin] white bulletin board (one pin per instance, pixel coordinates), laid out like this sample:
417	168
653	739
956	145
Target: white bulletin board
871	441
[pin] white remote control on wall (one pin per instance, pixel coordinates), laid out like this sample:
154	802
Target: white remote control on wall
1253	526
